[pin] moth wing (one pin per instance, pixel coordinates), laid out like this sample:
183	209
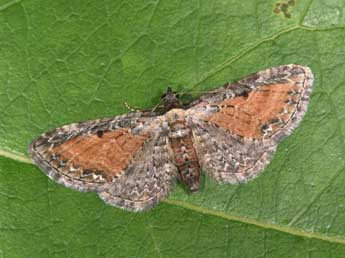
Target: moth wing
147	180
236	128
125	159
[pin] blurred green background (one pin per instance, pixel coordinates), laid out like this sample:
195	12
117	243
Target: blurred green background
66	61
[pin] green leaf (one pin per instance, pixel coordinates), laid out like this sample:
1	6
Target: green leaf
67	61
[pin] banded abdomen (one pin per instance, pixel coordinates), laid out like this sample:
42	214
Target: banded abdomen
184	154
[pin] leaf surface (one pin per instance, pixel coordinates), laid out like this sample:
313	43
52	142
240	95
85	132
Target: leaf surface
67	61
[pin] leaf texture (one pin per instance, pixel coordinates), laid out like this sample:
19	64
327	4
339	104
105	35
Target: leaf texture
67	61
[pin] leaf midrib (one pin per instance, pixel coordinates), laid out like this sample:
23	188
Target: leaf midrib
220	214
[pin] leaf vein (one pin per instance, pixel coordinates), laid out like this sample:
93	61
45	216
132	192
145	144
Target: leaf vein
249	221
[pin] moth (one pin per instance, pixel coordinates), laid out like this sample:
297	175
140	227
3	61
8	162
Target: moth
133	160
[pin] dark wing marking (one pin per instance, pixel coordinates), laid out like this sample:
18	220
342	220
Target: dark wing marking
236	128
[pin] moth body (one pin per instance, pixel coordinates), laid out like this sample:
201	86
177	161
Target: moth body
133	160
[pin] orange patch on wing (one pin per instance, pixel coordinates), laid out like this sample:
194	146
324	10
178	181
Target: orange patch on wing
110	153
245	116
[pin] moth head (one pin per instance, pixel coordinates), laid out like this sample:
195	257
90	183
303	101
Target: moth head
171	100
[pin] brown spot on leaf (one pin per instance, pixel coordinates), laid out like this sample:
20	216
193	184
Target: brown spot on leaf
284	7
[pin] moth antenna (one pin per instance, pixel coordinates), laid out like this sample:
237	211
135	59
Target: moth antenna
131	108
